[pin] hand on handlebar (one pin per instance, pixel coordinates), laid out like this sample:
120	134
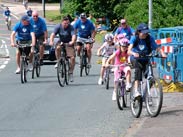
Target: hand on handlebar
13	44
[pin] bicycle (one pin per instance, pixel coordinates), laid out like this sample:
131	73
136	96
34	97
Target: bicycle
84	56
151	92
121	93
24	49
63	66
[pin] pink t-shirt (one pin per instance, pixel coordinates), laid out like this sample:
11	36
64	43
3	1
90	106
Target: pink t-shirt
120	57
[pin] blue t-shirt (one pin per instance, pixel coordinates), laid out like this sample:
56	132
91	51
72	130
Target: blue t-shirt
23	32
142	47
127	32
7	13
39	26
84	28
64	34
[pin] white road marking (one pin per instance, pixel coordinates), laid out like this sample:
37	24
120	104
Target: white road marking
5	53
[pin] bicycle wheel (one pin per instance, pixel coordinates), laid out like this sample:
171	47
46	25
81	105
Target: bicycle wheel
67	66
61	73
87	68
34	66
38	69
81	65
135	104
154	98
23	70
107	78
119	96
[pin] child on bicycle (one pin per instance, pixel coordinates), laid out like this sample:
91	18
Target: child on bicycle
105	50
141	43
121	57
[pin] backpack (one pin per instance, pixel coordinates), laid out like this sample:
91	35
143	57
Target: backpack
147	41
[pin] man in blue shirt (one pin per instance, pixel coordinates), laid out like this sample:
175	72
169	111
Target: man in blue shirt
24	34
124	29
41	34
85	30
141	43
7	15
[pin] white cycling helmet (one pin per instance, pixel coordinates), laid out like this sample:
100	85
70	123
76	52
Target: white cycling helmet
109	37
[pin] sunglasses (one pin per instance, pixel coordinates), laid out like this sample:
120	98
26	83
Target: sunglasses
35	16
123	23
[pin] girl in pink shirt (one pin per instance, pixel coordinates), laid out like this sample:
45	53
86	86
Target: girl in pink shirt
121	57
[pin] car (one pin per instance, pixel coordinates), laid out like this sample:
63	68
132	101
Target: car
49	52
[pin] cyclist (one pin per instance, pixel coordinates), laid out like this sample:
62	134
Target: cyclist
7	15
124	29
29	12
24	34
68	37
92	19
121	57
40	30
107	49
141	44
85	30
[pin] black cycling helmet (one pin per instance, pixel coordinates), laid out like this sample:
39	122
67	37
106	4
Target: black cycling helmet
82	15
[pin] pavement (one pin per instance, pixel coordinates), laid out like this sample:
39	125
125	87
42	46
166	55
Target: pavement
169	123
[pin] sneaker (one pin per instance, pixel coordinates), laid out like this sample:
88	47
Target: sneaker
30	67
128	86
71	77
41	62
100	81
56	65
114	95
17	71
137	94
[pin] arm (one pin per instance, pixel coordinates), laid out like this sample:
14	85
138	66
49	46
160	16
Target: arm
130	52
52	38
33	38
99	50
12	38
110	59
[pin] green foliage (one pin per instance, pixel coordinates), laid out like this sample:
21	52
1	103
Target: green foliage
166	13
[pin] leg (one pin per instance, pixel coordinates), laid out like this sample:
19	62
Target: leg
89	52
18	61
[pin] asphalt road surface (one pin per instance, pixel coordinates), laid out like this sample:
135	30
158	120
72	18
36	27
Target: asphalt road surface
41	108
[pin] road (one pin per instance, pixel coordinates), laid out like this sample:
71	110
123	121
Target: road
41	108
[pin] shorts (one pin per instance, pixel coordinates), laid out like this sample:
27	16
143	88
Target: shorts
122	69
39	40
26	49
80	41
70	50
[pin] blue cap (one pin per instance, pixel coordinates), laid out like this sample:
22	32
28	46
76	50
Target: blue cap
143	28
25	17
